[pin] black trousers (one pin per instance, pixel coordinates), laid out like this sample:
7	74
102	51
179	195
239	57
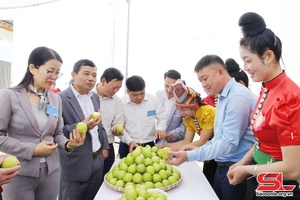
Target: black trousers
209	170
224	190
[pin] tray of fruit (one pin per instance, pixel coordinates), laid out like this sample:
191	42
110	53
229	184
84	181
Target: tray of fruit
144	166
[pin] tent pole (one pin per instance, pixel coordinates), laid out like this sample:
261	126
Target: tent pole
127	48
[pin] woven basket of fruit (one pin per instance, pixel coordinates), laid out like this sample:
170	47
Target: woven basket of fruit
144	166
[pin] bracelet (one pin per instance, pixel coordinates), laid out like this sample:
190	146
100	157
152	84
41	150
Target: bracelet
254	171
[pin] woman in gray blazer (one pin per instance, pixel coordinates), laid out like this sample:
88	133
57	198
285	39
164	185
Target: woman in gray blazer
31	128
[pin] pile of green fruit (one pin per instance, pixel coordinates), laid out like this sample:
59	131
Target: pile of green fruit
146	166
139	192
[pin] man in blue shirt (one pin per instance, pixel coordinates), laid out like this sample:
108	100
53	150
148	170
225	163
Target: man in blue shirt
232	133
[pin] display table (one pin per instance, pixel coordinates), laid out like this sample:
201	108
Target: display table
194	185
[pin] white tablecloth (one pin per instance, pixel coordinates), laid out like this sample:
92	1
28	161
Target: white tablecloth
193	186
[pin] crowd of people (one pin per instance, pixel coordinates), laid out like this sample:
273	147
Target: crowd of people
240	134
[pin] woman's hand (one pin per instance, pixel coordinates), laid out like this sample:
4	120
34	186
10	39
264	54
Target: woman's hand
44	148
236	174
188	147
169	136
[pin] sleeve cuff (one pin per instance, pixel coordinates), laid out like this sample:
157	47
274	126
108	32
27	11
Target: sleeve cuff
66	149
192	155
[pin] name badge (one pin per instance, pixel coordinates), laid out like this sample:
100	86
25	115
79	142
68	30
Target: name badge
151	113
51	110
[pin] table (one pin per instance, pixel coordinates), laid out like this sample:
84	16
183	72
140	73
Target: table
193	186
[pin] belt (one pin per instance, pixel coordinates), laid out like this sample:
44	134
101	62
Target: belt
145	144
96	153
225	164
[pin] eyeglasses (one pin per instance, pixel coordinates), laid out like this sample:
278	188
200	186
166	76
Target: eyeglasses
169	86
52	73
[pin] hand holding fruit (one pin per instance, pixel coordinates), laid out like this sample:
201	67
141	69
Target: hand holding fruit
9	168
77	137
93	120
8	161
164	152
96	115
177	158
132	146
82	127
176	146
118	130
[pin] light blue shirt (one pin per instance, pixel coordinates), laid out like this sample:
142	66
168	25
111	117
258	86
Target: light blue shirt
232	131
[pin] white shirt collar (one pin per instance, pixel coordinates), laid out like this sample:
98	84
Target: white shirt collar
89	94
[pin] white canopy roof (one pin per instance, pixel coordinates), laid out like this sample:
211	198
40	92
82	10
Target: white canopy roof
10	4
164	34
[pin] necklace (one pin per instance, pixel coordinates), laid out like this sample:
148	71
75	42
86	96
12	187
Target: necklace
258	119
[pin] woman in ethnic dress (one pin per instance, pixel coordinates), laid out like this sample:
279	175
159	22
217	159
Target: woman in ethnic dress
275	121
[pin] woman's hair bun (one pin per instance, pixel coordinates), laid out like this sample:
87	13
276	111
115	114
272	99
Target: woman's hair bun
251	24
231	65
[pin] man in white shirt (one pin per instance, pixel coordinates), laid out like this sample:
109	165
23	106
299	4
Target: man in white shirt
111	109
145	119
175	129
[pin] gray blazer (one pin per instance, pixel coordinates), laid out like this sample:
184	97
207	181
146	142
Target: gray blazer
77	165
19	132
175	123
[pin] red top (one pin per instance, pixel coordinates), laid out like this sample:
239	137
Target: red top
281	109
211	100
55	90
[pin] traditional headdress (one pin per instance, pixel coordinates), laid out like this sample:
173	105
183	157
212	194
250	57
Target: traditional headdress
185	97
